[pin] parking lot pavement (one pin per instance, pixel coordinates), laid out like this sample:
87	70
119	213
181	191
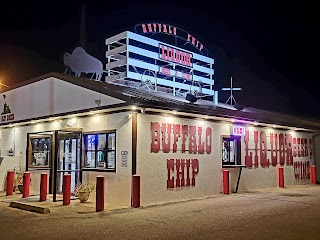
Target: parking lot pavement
281	213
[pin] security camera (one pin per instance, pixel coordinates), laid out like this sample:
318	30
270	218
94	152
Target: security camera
143	110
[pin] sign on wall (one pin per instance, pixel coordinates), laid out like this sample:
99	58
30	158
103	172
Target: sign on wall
124	158
188	142
6	114
238	130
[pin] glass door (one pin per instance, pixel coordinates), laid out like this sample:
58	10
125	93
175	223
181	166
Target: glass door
68	158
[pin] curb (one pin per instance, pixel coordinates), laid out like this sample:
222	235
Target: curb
30	208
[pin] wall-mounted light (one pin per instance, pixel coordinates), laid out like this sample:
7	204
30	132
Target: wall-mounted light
191	98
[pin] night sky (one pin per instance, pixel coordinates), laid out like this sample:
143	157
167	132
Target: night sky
270	49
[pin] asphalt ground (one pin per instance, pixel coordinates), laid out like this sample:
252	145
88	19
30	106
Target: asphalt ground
288	213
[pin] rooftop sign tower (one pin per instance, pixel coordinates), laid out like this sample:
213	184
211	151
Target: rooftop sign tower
137	60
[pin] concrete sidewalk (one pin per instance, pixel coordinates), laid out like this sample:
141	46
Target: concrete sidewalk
33	204
57	208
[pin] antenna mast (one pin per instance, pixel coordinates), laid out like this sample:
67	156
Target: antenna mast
231	95
82	42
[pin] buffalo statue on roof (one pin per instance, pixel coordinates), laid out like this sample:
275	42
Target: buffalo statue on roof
79	61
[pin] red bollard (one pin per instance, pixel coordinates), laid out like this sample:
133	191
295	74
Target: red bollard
225	181
26	185
9	186
281	177
66	189
135	191
313	174
43	187
100	194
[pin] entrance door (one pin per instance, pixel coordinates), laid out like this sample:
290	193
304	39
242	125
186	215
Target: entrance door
68	158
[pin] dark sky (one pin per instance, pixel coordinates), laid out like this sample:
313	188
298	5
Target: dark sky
271	49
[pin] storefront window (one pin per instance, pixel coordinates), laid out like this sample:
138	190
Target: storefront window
41	151
231	151
100	150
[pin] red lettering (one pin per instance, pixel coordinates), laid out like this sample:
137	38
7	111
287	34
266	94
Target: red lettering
170	167
193	40
208	140
306	154
177	56
159	26
192	140
195	170
176	135
189	36
294	147
310	148
164	28
184	133
274	147
155	137
263	150
188	164
154	27
255	139
170	29
144	29
201	144
248	157
289	157
149	27
281	148
174	31
298	147
165	130
180	164
188	59
302	147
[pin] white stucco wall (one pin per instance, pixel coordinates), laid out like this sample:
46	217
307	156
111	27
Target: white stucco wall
118	184
51	96
152	167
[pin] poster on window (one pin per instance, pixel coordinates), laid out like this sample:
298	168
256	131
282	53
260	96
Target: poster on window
101	141
111	158
40	151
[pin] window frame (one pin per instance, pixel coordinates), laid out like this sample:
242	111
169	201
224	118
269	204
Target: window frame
31	151
238	160
85	149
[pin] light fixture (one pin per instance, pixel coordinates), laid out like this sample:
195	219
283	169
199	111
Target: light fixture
239	106
191	98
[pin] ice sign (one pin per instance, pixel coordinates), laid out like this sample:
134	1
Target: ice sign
238	130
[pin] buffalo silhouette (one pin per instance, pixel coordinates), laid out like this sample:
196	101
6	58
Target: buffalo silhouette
81	62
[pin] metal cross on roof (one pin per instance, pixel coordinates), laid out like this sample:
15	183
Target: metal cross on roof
231	95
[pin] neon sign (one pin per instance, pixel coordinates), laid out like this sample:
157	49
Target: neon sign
145	28
238	130
176	56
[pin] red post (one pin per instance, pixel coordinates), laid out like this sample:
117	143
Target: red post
10	179
135	201
26	185
100	194
281	177
313	174
226	181
66	189
43	187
